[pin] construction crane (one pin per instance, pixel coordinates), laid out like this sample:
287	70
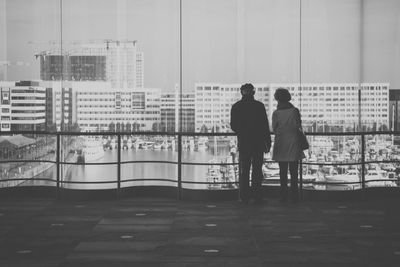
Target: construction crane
56	45
80	42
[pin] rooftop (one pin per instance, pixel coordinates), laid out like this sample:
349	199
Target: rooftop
16	141
142	231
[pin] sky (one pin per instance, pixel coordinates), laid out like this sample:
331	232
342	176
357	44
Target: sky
227	41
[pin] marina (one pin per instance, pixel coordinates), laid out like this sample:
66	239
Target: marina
331	163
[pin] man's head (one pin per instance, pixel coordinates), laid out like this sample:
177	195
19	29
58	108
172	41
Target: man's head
282	95
247	89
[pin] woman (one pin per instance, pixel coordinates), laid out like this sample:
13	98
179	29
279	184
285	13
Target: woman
287	149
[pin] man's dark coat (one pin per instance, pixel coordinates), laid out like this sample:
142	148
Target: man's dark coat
250	122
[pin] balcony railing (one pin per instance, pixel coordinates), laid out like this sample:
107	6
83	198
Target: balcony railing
335	161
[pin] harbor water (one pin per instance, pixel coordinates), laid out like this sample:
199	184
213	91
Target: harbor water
102	175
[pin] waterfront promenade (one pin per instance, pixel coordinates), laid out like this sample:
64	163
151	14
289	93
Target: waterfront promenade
163	232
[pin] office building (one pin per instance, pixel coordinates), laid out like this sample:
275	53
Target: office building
72	67
96	106
171	109
118	62
394	112
324	107
340	105
22	106
213	103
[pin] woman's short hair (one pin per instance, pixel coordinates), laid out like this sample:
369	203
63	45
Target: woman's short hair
282	94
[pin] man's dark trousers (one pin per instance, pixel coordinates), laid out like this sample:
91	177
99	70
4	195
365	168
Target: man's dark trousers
247	159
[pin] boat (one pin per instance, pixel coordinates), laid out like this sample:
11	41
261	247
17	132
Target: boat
105	142
319	182
137	143
214	176
222	176
389	167
191	144
129	143
308	178
173	145
113	144
157	146
202	143
146	145
93	150
271	174
165	145
373	176
125	144
345	181
313	161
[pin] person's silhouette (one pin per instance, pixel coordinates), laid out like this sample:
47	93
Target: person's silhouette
250	122
287	151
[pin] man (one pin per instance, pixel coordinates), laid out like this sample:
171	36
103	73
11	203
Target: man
250	122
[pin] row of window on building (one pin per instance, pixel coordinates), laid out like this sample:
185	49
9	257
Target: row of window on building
54	104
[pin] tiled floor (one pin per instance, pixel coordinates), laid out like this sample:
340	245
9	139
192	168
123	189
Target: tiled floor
165	232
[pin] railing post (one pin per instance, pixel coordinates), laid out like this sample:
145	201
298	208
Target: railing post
301	178
119	164
363	160
239	167
58	163
179	166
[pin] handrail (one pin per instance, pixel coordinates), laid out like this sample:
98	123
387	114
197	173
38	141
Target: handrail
179	135
189	133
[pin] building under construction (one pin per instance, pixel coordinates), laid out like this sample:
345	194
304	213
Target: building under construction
118	62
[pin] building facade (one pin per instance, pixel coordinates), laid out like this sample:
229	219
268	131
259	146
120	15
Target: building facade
213	103
96	106
173	116
22	106
394	112
324	107
118	62
50	123
342	106
72	67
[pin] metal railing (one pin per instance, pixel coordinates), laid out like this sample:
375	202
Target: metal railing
59	182
362	161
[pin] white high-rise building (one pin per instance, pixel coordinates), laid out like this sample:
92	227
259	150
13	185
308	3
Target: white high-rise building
139	69
171	103
96	106
337	104
213	103
321	104
22	106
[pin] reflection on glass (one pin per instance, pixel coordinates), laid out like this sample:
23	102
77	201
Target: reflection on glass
16	149
149	148
86	161
381	164
126	66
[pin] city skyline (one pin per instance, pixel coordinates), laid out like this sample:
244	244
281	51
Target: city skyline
95	105
223	41
121	144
